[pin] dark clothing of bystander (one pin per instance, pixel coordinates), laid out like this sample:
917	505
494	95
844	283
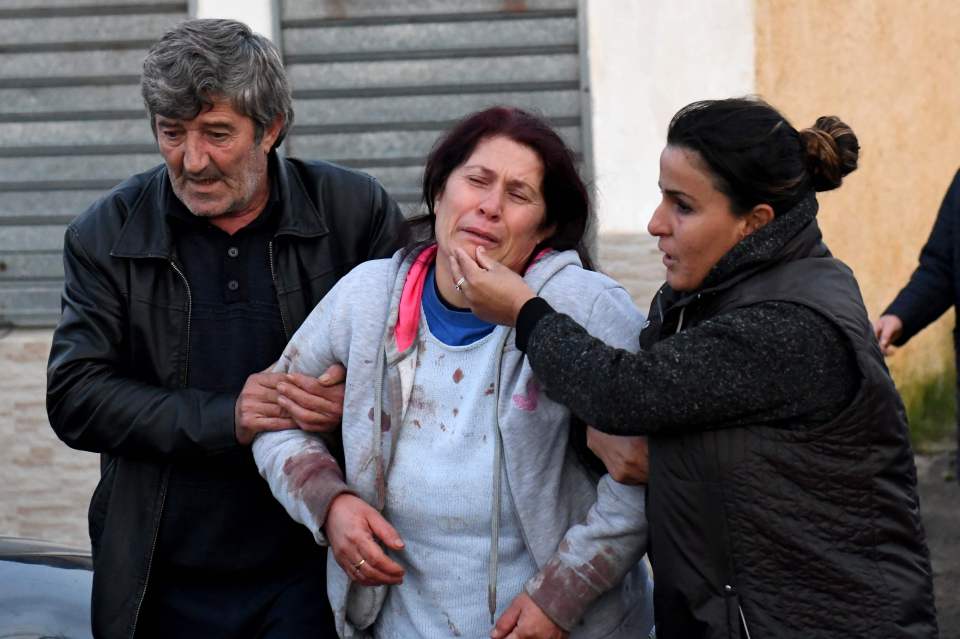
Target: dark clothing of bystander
130	379
782	497
934	286
203	570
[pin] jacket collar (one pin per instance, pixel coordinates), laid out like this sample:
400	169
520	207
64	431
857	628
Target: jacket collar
146	231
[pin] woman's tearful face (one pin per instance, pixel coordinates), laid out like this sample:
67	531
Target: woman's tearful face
493	200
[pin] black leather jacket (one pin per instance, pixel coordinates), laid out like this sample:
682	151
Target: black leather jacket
118	365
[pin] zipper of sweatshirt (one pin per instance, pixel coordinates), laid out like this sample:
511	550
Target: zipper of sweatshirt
493	565
163	485
276	289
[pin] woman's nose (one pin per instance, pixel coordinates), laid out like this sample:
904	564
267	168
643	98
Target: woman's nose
492	203
658	222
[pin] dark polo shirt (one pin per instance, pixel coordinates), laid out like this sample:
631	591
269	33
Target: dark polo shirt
226	548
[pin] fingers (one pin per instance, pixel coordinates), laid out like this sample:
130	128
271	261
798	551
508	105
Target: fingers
486	263
469	268
887	329
315	404
351	525
376	568
507	621
335	374
383	530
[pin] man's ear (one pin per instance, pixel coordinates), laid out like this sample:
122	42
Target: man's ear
271	133
756	218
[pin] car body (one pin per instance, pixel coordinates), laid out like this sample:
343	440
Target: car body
44	589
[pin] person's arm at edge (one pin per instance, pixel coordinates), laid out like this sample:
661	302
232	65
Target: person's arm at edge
931	289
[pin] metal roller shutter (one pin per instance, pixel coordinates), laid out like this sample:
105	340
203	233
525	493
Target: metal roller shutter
72	125
376	82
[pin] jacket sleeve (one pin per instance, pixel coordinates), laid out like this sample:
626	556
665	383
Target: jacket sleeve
302	473
92	405
932	287
767	363
595	554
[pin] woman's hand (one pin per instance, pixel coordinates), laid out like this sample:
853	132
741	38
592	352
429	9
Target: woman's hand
353	527
523	619
495	293
627	458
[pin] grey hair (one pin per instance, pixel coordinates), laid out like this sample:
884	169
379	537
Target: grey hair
202	60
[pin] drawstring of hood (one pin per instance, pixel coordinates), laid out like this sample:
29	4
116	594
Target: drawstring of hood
404	335
493	565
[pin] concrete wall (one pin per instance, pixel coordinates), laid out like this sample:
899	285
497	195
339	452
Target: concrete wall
889	69
646	60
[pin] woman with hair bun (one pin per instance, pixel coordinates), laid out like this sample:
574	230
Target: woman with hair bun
782	489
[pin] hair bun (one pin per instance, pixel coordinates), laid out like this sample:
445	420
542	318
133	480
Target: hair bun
831	150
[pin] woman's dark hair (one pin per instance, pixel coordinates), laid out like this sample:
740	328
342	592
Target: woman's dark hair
565	195
756	156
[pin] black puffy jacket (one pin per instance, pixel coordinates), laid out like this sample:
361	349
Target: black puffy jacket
790	517
118	364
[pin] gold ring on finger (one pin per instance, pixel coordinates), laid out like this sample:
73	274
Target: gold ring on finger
356	566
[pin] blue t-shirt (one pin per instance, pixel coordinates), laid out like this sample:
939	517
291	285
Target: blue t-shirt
452	326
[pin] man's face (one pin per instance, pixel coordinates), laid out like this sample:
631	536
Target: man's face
216	167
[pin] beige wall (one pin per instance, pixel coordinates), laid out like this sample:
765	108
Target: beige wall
45	487
889	69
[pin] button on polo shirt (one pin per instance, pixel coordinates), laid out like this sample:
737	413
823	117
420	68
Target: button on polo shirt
235	328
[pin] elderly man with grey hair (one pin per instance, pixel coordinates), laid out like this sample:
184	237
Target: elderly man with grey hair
182	284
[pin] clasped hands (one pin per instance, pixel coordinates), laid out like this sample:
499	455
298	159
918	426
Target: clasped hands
282	401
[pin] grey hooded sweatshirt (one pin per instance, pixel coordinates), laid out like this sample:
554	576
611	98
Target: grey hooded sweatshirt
587	537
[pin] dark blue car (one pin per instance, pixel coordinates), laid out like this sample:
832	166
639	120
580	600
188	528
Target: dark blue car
44	589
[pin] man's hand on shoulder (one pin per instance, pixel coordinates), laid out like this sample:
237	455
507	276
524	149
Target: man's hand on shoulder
314	403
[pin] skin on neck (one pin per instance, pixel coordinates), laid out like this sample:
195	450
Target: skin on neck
233	221
447	285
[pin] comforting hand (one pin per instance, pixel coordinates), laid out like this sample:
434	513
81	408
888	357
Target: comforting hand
887	329
524	619
353	527
494	292
314	404
257	410
627	458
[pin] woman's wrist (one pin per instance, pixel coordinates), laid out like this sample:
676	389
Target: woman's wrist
532	311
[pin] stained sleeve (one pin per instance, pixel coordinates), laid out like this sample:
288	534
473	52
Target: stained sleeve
932	287
595	554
